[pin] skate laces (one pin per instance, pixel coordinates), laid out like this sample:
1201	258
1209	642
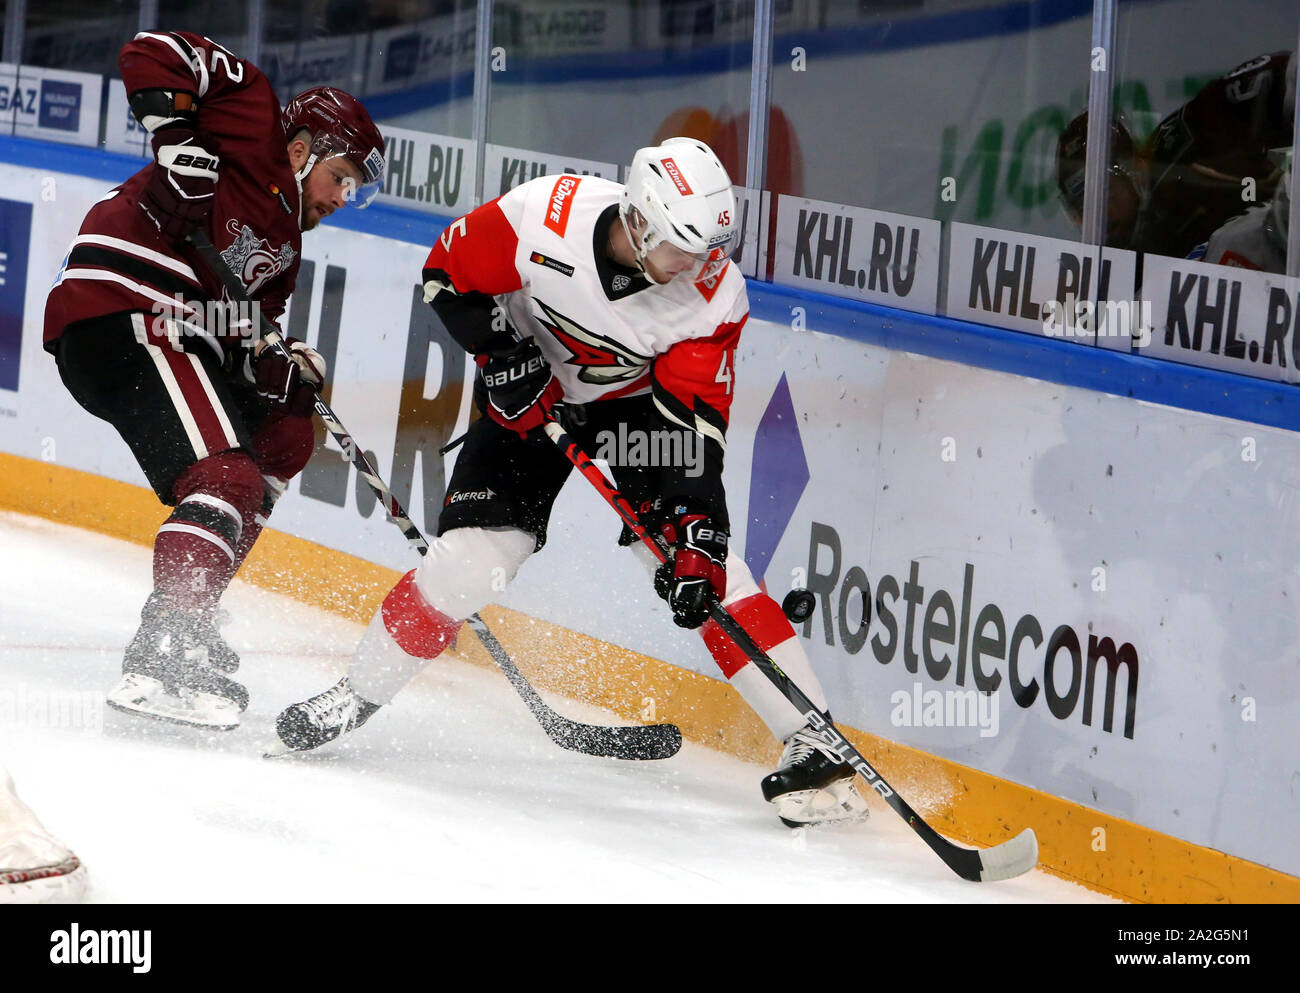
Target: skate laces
337	705
804	743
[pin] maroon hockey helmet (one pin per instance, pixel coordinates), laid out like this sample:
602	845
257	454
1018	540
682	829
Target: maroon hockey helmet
339	125
1071	152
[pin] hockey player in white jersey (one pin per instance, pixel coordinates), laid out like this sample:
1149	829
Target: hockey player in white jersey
34	866
1256	239
620	302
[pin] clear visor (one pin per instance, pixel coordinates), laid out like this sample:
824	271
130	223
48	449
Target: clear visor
365	194
699	267
368	167
356	194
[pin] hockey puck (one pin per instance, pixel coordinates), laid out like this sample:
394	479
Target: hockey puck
798	605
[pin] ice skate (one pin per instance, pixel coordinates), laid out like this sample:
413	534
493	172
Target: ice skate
174	669
812	784
320	719
34	867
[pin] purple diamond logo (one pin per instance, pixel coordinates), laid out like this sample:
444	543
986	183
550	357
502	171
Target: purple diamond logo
778	477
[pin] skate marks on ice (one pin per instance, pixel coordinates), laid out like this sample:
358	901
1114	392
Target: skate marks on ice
452	793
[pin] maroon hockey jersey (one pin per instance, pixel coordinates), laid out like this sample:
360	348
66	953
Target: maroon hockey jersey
120	262
1200	154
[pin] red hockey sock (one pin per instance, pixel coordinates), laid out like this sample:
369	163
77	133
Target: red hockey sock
758	614
419	628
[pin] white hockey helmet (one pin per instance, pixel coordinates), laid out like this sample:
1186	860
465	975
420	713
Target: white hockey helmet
682	194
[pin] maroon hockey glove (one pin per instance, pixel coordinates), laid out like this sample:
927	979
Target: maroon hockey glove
697	568
291	386
520	386
179	194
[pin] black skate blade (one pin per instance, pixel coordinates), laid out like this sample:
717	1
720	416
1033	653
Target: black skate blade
636	743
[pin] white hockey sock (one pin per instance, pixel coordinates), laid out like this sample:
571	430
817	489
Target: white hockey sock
768	626
779	714
765	622
379	667
461	573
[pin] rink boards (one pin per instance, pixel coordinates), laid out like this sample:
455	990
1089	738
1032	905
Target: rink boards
1118	576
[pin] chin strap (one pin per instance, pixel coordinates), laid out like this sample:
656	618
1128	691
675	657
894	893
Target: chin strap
638	250
298	178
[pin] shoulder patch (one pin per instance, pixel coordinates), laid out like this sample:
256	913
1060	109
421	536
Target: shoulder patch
709	287
557	209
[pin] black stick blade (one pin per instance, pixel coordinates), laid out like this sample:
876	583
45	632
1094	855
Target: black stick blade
634	743
648	742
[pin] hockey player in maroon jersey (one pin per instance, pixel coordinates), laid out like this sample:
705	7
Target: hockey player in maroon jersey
1171	192
621	302
136	324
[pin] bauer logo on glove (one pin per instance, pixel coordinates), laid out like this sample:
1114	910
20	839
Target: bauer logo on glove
697	570
521	389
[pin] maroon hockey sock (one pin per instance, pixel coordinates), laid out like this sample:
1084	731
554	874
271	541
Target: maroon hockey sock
282	448
253	525
195	550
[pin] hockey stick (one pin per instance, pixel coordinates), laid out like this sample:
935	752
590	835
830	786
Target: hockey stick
1010	858
633	742
652	741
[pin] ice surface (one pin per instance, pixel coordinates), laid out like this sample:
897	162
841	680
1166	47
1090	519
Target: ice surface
453	793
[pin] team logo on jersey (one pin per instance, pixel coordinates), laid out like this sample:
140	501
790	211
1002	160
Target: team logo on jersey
620	283
600	360
253	259
709	287
551	263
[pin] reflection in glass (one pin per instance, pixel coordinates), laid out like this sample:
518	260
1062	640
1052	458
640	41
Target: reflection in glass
594	82
82	35
411	61
1205	102
225	23
946	109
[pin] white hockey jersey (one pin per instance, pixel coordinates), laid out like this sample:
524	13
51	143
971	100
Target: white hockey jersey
1256	239
540	252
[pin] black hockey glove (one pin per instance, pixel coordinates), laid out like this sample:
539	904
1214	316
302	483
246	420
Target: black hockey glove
179	194
292	386
697	569
521	389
